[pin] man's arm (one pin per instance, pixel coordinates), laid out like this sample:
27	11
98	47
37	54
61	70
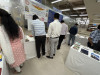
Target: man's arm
49	31
92	35
66	31
90	40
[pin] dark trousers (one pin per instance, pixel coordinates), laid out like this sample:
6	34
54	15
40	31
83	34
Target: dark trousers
40	42
96	46
71	37
89	45
60	41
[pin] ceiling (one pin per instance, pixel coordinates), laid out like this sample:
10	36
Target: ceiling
93	10
70	4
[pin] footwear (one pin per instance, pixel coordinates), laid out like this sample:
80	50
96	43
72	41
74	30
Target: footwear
15	72
38	57
68	44
21	66
53	54
49	57
58	48
43	54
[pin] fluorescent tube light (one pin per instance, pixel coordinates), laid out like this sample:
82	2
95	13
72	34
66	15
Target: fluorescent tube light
84	15
65	10
79	8
56	1
97	15
96	19
73	15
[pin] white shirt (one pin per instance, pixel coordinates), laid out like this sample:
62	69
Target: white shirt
54	29
38	27
64	29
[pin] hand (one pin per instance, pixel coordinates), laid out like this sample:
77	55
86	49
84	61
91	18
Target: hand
47	39
64	37
31	35
0	50
91	44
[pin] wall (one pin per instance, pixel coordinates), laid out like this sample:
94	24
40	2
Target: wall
15	8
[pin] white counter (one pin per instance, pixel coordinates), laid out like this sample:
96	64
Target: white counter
4	67
81	39
82	64
30	48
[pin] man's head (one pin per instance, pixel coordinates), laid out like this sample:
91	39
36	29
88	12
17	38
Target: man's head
35	17
56	16
76	24
99	27
62	21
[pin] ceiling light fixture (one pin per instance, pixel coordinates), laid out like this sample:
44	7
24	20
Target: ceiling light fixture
97	15
56	1
79	8
84	15
96	19
73	15
65	10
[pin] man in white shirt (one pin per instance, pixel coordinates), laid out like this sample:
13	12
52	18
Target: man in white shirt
38	30
63	34
53	34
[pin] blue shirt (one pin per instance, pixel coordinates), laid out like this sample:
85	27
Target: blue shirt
38	27
95	35
73	30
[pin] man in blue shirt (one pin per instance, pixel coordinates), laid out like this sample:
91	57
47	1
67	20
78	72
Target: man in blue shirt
38	30
94	39
73	31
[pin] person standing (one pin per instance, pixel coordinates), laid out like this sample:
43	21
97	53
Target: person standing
73	31
94	39
54	34
38	30
63	34
11	36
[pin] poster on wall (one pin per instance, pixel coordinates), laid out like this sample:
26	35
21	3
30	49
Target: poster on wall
40	1
34	8
51	17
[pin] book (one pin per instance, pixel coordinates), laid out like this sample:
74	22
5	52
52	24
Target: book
97	52
76	46
95	56
84	51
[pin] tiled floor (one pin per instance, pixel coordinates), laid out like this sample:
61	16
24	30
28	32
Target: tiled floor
45	66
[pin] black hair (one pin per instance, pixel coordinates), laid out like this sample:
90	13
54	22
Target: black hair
62	21
98	26
9	24
76	24
56	15
35	17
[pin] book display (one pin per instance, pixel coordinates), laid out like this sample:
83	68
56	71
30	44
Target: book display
83	60
87	51
95	56
84	51
77	46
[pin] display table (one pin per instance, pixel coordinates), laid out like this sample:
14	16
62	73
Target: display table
82	64
4	67
30	48
81	39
